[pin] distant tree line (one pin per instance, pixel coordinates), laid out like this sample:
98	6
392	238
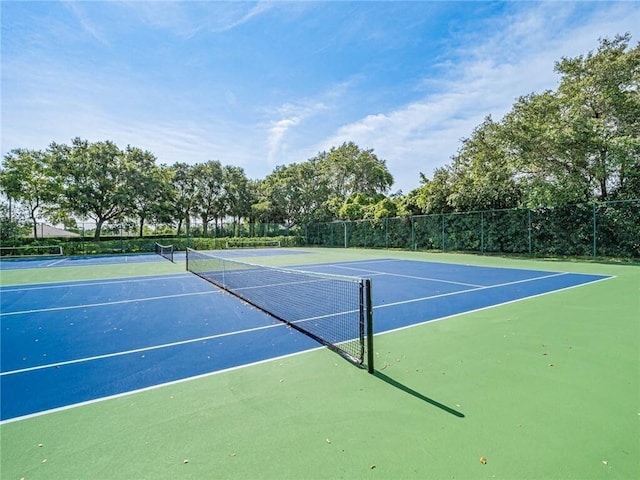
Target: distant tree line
579	143
102	182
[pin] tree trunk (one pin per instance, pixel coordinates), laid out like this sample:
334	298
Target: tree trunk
603	180
141	226
32	214
99	224
35	226
205	225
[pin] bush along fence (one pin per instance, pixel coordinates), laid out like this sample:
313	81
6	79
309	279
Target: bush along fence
606	229
117	239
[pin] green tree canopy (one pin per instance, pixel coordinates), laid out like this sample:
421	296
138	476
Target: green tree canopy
208	179
27	176
184	193
295	194
577	144
350	169
98	180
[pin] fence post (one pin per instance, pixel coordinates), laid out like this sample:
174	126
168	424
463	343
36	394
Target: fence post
386	231
345	235
529	228
413	234
482	231
594	230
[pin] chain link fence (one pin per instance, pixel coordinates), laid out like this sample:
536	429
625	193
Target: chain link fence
606	229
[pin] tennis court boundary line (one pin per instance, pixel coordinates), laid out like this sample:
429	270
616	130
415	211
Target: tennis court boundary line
104	304
443	262
88	282
477	289
160	385
141	349
413	277
424	322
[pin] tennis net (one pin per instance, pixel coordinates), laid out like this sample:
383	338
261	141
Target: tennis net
165	251
333	310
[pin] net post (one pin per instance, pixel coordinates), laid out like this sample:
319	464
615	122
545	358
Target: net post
369	320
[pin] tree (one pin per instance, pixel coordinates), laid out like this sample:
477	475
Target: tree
236	193
432	196
27	177
208	181
97	180
581	142
11	225
363	206
294	194
576	144
149	182
600	93
351	170
482	174
184	193
544	162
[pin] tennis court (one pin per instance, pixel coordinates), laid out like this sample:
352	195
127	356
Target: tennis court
94	343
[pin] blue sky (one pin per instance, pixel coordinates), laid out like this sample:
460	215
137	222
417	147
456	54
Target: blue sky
261	84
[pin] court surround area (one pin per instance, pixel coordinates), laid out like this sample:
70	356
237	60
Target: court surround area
455	336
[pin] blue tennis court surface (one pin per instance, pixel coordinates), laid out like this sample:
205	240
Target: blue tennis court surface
69	343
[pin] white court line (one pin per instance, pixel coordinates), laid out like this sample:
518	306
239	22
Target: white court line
486	287
411	276
55	263
115	302
153	387
24	288
495	305
139	350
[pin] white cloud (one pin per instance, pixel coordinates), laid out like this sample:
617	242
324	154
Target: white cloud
256	10
186	19
85	23
288	116
516	60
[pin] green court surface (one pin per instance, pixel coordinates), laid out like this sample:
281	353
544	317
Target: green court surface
543	388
